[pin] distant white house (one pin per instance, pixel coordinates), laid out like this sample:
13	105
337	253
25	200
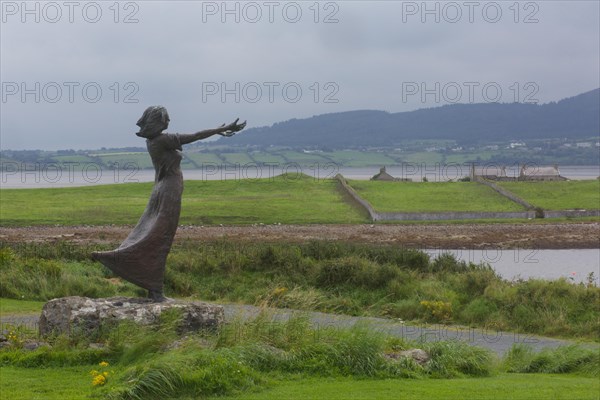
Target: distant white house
526	173
535	173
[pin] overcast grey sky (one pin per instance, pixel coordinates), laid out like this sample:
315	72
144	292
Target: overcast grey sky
79	74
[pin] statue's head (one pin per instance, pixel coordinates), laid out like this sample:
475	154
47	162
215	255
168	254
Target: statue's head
154	120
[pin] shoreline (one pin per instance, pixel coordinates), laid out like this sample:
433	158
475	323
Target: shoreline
460	236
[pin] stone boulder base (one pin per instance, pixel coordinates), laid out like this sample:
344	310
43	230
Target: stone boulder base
83	315
420	356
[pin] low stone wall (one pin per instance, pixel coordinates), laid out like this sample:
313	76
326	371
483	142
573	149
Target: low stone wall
457	215
495	178
356	198
571	213
509	195
427	216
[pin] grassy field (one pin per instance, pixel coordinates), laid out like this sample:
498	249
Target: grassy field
460	158
141	160
286	199
562	195
204	158
73	159
522	387
421	158
270	158
305	158
71	383
57	383
19	307
432	196
289	199
237	158
360	159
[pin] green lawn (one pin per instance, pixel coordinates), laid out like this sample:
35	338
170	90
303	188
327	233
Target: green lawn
291	199
432	196
502	387
19	307
562	195
46	383
75	383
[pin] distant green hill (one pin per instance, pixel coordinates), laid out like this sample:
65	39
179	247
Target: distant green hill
574	117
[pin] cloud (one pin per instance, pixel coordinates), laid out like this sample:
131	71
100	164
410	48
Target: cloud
362	61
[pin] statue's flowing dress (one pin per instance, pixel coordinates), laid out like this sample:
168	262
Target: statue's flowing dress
141	258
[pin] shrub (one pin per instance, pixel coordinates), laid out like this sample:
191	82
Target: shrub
438	310
407	309
475	281
479	310
564	359
343	271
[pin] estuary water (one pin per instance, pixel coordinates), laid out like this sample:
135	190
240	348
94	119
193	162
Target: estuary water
574	265
59	175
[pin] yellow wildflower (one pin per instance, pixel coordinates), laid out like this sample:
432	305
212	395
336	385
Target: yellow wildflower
99	380
279	290
103	364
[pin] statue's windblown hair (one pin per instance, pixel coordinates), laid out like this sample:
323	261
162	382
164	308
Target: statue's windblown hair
154	115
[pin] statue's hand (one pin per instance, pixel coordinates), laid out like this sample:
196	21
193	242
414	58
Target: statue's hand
231	129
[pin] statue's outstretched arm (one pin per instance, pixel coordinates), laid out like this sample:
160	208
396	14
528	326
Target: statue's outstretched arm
223	130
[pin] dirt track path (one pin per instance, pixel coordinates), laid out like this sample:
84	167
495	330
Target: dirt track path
496	341
473	236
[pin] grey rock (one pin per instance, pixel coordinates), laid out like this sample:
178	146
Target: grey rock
33	345
419	355
84	315
5	345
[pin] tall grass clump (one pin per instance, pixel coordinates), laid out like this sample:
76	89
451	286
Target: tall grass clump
247	354
26	275
456	358
565	359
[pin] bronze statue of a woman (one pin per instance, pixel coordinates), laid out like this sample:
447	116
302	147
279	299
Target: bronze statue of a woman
141	258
